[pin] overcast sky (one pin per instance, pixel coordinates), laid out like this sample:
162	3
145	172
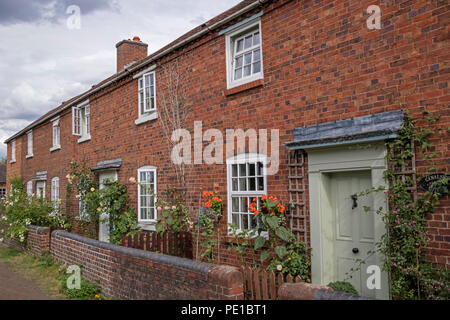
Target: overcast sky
43	62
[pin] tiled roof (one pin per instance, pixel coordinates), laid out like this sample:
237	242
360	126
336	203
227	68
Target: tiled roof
184	37
373	125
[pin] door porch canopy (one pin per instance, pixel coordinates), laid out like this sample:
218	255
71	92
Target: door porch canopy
374	127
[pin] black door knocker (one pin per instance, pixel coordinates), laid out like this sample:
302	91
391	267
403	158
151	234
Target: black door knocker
355	203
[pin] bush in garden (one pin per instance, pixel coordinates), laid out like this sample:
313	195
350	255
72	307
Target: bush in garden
22	210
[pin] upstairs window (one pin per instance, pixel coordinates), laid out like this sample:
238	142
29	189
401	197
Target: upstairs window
13	151
81	122
29	144
147	194
56	135
244	55
147	94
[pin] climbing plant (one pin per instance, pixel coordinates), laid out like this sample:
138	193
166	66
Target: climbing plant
404	244
110	201
209	214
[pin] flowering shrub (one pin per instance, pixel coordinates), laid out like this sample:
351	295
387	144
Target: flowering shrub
285	254
173	217
208	215
23	210
212	202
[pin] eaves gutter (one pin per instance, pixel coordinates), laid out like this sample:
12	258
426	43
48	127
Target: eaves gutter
132	69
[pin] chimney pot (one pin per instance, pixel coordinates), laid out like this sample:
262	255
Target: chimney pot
137	39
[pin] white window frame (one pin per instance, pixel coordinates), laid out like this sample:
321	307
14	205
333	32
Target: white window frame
29	144
30	188
245	158
81	121
56	135
54	196
154	170
230	40
13	151
151	113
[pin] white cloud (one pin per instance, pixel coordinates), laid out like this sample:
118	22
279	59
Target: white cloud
45	63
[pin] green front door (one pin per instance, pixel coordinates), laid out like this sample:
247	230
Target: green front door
354	233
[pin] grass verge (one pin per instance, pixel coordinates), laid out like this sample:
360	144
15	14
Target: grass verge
41	271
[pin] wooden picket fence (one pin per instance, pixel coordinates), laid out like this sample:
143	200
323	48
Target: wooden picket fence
261	284
177	244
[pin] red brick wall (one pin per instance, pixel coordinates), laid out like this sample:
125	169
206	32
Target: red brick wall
321	64
38	241
126	273
15	169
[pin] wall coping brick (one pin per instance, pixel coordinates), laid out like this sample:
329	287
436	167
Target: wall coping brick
39	230
226	276
307	291
196	266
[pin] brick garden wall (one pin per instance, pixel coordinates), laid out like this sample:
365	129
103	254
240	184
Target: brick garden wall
321	64
38	240
126	273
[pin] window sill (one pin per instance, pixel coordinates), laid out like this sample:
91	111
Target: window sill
55	148
12	161
244	87
146	118
28	156
84	139
147	225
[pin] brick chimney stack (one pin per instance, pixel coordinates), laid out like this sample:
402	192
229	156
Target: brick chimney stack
129	51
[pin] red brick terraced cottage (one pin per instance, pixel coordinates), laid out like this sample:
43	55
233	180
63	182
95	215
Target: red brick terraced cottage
333	87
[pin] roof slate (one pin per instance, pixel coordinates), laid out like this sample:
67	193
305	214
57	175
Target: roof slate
349	129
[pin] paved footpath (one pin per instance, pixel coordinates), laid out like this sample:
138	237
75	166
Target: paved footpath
14	287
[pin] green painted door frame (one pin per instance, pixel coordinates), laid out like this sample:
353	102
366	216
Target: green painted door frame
322	164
